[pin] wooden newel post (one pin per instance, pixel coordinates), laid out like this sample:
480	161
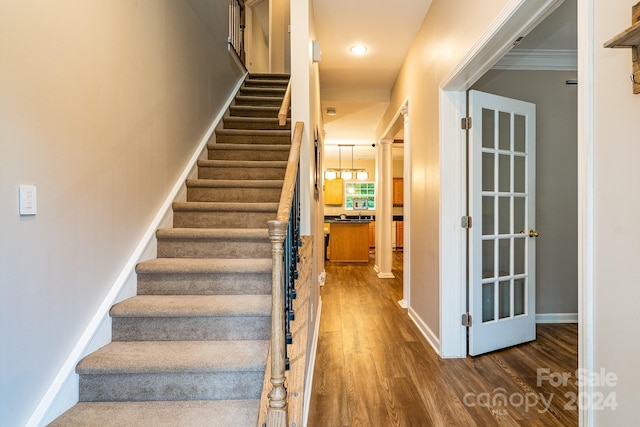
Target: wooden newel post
277	410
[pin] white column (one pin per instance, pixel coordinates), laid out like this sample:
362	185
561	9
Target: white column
384	217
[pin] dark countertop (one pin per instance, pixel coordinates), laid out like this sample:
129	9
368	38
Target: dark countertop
363	218
348	221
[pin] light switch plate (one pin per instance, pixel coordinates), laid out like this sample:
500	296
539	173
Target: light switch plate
28	200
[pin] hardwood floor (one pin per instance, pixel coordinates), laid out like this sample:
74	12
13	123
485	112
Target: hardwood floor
374	367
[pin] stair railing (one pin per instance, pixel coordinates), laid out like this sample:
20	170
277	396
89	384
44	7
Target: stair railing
236	27
284	107
284	233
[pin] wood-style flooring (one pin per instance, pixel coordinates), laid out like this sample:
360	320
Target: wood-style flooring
374	368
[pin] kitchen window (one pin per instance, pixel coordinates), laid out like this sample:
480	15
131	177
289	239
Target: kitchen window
360	196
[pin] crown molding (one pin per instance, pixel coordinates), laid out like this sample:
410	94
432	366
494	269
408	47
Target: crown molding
539	59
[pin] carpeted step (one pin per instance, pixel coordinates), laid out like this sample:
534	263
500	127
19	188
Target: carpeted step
254	123
241	169
264	91
192	318
271	101
255	111
173	370
243	136
248	151
223	215
213	243
188	413
202	276
268	82
226	190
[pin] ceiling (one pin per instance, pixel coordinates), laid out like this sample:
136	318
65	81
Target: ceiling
358	87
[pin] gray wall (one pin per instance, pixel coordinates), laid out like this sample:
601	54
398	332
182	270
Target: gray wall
102	104
556	179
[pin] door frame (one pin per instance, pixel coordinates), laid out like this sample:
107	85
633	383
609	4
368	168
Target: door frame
517	19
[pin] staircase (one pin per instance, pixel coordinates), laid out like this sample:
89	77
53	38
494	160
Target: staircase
190	349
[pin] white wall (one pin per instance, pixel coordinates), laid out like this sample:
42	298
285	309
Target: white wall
102	105
445	36
616	238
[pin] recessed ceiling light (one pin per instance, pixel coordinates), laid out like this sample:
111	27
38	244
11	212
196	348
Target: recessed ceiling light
358	49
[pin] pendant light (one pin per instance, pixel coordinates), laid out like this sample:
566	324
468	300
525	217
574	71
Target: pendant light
347	174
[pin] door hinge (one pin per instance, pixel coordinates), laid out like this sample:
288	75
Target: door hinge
465	222
466	123
466	320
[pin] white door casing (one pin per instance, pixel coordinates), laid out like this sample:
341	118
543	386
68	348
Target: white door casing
502	236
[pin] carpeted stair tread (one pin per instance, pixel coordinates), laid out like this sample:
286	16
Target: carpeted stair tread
249	147
255	123
273	101
194	306
254	132
213	233
224	207
245	243
278	91
191	413
246	164
140	357
252	81
232	183
274	76
241	169
204	265
254	111
248	152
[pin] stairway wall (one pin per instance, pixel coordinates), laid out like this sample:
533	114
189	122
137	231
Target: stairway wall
104	125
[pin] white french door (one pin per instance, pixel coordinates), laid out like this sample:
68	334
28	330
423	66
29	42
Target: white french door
502	236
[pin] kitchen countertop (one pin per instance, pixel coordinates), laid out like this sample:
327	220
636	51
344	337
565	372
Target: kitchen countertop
347	221
364	218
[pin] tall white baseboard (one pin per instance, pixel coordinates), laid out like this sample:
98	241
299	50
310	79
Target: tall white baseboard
311	365
64	391
432	338
557	318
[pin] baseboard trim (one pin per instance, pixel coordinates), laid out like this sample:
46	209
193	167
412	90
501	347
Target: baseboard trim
557	318
311	365
67	380
426	331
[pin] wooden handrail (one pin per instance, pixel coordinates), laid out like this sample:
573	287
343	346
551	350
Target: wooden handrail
278	228
286	197
284	108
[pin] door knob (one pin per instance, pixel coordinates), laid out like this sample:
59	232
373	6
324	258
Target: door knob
533	233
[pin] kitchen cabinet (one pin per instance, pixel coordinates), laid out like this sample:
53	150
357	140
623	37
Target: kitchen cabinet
372	234
398	191
399	234
349	241
334	192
